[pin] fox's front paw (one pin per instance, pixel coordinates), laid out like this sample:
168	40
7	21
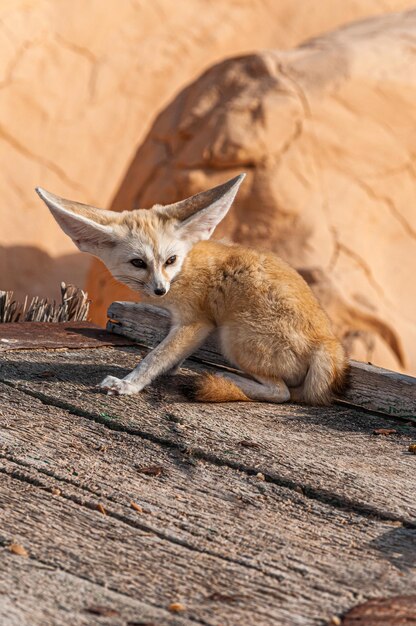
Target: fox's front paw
118	387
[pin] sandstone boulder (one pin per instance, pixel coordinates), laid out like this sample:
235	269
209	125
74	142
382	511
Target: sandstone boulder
326	133
80	82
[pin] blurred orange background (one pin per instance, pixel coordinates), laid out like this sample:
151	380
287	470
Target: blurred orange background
82	84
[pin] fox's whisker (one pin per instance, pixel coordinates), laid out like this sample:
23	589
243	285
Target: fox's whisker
129	280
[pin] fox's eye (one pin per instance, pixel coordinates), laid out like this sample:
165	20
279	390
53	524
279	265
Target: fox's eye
171	260
139	263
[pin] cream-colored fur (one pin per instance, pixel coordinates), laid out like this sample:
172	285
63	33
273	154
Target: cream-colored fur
271	325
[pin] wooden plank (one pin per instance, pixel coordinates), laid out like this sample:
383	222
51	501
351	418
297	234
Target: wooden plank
139	564
372	388
148	325
309	560
36	594
377	389
74	335
331	453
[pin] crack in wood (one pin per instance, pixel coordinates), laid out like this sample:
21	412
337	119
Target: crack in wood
372	388
323	496
118	516
4	543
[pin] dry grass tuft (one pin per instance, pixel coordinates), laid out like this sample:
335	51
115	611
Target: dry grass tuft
74	307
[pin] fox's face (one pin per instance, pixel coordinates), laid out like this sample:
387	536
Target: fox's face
148	251
145	249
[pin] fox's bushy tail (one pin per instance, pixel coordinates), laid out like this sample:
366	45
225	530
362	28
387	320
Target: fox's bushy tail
327	375
211	388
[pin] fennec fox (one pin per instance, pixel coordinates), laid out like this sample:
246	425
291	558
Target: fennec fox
270	324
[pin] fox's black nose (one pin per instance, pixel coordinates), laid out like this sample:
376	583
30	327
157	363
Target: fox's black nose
160	291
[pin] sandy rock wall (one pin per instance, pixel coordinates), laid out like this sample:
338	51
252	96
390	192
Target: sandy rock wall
80	83
327	135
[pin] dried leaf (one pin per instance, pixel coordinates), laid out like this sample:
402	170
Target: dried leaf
412	448
216	596
46	374
101	509
176	607
246	443
17	548
104	611
388	611
136	507
384	431
151	470
55	491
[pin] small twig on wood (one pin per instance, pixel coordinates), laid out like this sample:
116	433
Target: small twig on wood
73	308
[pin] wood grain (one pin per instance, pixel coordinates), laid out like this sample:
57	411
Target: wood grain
372	388
330	453
33	593
75	335
231	547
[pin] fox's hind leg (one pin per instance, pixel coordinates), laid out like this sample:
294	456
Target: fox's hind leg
261	390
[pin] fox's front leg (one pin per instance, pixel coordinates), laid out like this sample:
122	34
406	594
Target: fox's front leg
179	344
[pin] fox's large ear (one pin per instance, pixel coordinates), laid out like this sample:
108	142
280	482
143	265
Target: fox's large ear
200	214
88	227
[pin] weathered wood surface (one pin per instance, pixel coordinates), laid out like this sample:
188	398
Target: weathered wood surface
26	335
332	525
372	388
35	593
232	548
329	452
